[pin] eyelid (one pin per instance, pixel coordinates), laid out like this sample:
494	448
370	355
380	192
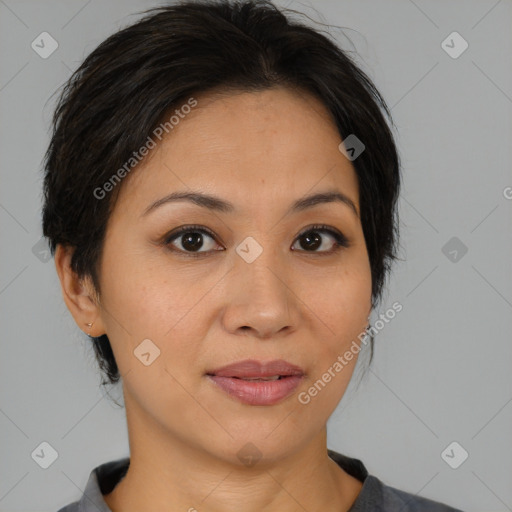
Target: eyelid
340	239
171	236
185	229
325	228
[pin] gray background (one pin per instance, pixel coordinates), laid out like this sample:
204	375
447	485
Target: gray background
442	368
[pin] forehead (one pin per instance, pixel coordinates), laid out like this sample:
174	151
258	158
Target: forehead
274	146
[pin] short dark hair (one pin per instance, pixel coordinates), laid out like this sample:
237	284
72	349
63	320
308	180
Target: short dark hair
133	79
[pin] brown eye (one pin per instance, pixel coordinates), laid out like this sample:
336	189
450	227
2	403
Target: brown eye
191	239
313	238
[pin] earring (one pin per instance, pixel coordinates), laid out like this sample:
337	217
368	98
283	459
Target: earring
89	325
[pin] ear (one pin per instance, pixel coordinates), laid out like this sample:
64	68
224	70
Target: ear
79	294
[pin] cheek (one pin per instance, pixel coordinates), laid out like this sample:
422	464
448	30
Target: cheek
139	292
166	307
340	306
340	300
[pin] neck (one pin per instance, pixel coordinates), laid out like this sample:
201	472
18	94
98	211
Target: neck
169	474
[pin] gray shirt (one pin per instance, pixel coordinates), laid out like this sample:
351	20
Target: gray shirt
375	496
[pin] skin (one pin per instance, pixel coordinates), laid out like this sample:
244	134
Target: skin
261	151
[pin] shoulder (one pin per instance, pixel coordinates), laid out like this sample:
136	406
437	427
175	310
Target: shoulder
102	479
376	496
72	507
379	497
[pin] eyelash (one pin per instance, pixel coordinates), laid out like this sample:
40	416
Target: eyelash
341	241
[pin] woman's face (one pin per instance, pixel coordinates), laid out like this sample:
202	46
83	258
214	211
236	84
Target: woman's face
257	284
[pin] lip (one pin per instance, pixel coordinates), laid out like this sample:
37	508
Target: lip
230	379
251	368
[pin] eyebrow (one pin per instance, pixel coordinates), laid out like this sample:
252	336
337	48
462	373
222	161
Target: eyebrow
220	205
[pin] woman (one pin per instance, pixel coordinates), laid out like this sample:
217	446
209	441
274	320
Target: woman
220	199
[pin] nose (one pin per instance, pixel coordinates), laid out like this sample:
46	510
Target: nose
260	300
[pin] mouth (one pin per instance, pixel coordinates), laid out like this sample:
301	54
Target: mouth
274	377
257	383
251	369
